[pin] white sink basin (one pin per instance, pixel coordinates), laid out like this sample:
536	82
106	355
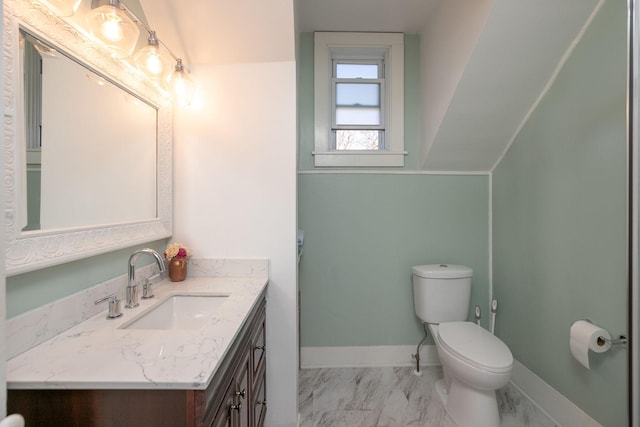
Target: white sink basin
187	311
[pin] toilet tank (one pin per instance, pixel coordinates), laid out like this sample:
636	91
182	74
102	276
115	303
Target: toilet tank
441	292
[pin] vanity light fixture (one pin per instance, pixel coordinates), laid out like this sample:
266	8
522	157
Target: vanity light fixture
64	8
112	25
152	61
117	28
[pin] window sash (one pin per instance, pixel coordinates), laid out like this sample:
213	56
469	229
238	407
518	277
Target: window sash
381	106
366	110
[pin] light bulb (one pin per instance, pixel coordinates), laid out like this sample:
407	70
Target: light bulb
111	28
181	86
152	61
114	28
153	64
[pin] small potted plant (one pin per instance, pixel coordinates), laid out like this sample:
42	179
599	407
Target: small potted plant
176	254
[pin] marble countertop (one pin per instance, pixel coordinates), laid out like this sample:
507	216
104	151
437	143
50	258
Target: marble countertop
95	354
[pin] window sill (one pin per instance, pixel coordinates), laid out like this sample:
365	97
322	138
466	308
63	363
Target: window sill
359	158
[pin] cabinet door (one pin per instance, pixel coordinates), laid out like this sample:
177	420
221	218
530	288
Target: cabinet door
243	393
260	402
225	417
235	409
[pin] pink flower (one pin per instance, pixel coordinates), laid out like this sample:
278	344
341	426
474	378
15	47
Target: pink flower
177	250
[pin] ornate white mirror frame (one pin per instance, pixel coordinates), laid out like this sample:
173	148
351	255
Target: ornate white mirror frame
27	251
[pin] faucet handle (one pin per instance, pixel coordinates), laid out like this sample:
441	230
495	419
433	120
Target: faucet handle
147	286
147	289
115	310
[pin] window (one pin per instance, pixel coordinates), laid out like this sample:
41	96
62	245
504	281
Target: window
357	113
359	99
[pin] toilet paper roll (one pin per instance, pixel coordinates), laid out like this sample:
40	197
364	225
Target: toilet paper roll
584	337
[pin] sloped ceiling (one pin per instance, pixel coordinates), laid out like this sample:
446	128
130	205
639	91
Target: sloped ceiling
498	73
520	47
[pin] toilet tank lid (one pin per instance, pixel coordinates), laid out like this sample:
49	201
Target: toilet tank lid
442	271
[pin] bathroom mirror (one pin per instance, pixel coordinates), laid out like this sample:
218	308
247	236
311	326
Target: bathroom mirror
77	123
87	145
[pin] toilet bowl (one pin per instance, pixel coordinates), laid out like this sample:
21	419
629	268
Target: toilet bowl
475	362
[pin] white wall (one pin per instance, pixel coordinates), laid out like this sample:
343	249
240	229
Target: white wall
235	195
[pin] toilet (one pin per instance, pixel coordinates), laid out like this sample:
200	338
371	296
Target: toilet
475	362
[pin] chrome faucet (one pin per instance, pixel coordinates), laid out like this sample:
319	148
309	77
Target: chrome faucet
132	286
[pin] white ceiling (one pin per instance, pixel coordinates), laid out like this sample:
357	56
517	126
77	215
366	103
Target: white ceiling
497	81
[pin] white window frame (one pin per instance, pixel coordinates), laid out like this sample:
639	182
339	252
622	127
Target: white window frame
337	45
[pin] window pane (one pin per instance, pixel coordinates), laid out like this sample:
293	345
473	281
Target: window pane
358	94
357	71
357	140
358	116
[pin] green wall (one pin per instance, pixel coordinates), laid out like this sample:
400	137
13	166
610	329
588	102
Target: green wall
30	290
364	232
559	223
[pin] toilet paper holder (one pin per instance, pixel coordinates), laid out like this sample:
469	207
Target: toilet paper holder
621	340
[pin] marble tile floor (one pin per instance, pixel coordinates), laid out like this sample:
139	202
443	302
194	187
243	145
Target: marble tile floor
393	397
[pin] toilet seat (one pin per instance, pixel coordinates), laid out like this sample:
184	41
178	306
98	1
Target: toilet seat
475	346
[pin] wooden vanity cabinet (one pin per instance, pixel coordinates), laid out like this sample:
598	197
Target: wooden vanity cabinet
235	409
242	376
234	398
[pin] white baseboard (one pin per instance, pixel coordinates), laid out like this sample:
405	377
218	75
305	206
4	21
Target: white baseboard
371	356
561	410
